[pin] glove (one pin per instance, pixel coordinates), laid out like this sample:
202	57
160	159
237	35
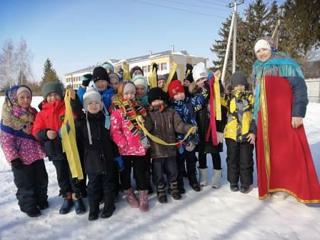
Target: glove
17	163
120	163
86	79
190	146
220	137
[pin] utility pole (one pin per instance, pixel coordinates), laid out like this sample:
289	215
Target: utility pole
233	29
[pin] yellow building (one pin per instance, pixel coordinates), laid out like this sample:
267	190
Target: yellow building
163	59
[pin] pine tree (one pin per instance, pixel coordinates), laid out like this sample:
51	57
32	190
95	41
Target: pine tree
300	27
259	21
49	74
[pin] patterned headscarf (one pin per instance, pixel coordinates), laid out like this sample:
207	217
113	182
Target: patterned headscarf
14	115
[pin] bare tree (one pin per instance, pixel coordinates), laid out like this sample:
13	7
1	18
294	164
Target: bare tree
22	61
7	65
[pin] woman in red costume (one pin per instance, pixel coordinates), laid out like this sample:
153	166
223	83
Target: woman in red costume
284	160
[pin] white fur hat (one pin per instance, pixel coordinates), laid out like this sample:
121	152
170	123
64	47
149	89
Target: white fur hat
199	71
90	95
262	44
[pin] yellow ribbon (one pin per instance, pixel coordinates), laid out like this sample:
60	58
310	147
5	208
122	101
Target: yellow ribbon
173	70
68	139
159	140
216	88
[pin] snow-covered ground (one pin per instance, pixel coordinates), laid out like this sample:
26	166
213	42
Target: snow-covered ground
210	214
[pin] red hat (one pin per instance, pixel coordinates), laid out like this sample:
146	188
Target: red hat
175	87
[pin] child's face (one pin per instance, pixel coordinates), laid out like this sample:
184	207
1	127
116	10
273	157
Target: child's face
263	54
140	90
179	96
53	96
94	107
186	83
161	83
129	95
239	88
101	85
24	99
201	81
114	82
157	103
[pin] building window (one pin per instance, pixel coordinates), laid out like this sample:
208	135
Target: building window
144	69
163	66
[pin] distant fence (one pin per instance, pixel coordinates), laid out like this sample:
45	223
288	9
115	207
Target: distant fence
313	85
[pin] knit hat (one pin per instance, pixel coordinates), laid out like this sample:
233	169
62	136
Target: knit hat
86	77
262	44
199	71
134	69
157	94
52	86
114	76
99	73
23	88
238	78
175	87
91	95
162	77
140	80
129	86
108	67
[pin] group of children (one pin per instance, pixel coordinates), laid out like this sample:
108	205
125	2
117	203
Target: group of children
123	126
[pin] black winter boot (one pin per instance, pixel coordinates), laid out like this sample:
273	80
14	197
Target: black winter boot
161	193
194	183
234	187
79	206
175	192
43	205
181	186
67	204
34	212
93	209
107	210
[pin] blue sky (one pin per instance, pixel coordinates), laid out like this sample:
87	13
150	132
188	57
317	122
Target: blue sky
78	33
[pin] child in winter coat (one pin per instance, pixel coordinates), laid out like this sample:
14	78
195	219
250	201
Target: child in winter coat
164	122
101	81
114	81
206	144
46	129
98	156
23	152
240	134
187	108
141	90
131	142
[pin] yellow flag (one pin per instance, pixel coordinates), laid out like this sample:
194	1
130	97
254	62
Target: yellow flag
216	86
68	136
173	70
153	78
126	72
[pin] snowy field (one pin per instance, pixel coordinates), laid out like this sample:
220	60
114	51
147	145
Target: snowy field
210	214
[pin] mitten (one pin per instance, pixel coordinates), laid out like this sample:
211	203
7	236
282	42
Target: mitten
86	79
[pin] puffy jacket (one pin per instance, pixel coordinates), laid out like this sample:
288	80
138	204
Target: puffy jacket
128	144
239	123
164	125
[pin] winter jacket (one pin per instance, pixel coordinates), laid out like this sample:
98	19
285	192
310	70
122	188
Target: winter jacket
99	156
105	94
203	120
50	118
19	144
187	111
239	123
164	125
128	143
